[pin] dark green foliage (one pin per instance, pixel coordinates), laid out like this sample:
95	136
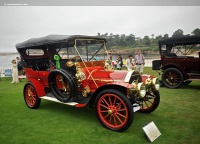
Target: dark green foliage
196	32
115	41
178	33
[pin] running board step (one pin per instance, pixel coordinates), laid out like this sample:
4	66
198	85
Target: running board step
136	107
55	100
196	74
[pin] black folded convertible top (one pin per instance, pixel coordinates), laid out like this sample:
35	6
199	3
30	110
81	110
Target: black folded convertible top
180	40
51	39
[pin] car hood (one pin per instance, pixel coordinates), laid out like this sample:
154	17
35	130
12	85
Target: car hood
111	76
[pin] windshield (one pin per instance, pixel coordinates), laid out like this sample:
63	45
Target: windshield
181	50
86	50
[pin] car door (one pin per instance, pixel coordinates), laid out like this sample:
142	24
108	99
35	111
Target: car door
192	65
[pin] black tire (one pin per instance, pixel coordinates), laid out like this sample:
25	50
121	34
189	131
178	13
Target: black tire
30	96
67	80
172	78
150	103
187	82
114	110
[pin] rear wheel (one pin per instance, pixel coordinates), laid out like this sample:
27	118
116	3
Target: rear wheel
30	96
114	110
150	102
172	78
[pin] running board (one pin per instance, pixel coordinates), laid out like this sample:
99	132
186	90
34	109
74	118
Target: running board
136	107
193	79
196	74
55	100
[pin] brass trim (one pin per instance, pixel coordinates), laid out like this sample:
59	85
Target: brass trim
70	63
82	59
80	75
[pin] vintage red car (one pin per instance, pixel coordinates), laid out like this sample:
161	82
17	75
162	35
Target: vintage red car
62	68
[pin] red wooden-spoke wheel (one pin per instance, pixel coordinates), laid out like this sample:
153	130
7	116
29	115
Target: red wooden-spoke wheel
150	103
30	96
114	110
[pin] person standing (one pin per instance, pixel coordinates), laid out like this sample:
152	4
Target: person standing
130	63
19	67
15	72
110	56
139	62
113	65
119	62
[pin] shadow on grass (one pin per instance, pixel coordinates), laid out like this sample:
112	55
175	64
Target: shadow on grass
193	87
84	113
88	114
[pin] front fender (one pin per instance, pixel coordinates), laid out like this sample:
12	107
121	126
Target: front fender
39	87
121	87
146	76
171	65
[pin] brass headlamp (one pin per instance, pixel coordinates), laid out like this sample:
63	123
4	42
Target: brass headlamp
80	75
153	83
138	89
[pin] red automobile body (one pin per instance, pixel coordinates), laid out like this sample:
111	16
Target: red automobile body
55	70
95	74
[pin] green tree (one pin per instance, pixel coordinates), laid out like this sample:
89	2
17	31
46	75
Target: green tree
111	40
165	36
196	32
159	37
105	35
123	36
122	40
152	36
147	40
111	35
116	39
122	43
130	40
178	33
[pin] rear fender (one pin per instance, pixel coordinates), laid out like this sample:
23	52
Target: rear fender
39	87
156	64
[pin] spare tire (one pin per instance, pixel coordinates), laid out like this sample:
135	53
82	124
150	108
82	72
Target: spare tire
62	85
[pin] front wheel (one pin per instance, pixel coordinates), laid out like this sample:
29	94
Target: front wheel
30	96
150	102
114	110
172	78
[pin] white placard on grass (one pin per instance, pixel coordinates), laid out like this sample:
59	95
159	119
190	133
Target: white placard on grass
151	131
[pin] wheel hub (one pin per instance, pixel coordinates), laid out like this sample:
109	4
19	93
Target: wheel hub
112	110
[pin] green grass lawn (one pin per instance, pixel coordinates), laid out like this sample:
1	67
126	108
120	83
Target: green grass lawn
177	118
